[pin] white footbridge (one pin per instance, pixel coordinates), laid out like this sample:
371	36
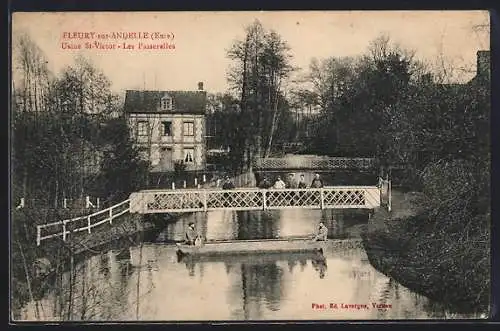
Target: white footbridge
207	199
172	201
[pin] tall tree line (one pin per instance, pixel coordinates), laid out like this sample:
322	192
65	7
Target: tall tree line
261	67
68	139
64	128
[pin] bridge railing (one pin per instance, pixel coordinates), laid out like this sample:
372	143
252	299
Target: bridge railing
83	223
288	163
157	201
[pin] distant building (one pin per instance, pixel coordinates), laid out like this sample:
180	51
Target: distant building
169	127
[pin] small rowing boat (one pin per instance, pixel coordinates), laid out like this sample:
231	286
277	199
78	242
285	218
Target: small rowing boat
252	258
253	246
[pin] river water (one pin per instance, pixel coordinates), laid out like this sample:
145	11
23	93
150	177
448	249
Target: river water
147	282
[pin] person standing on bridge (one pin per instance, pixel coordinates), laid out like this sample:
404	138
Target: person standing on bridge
302	182
279	184
291	183
228	184
265	184
317	182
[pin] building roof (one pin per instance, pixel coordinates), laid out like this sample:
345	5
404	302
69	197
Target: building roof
184	102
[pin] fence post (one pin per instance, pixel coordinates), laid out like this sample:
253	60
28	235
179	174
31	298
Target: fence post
322	198
98	202
195	182
88	223
205	204
111	215
173	185
65	203
204	178
64	230
38	235
389	205
185	184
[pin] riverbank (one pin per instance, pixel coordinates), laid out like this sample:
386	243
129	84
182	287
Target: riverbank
32	281
405	246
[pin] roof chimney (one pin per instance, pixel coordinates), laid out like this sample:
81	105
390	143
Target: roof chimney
200	86
483	63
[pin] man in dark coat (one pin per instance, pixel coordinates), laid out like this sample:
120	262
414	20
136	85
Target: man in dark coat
302	182
317	182
228	184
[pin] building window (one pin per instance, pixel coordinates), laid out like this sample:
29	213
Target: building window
167	103
188	128
166	128
142	128
188	155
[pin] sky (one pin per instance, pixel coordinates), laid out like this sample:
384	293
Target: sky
201	40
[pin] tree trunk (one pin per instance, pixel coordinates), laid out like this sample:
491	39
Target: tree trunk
273	123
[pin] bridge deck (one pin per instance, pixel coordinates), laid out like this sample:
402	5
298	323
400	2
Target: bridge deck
192	200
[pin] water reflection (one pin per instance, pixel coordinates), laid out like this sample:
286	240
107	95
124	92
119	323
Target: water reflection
319	264
149	282
230	225
256	225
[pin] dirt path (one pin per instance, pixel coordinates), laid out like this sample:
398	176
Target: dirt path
403	205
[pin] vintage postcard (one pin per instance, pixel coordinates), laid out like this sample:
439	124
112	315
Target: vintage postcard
250	166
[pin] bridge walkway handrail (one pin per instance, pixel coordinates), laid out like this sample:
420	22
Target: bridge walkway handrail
333	197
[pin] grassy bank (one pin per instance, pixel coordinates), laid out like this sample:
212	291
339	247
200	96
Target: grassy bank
447	261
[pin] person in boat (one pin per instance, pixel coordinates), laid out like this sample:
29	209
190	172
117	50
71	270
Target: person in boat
279	184
317	182
322	232
191	234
